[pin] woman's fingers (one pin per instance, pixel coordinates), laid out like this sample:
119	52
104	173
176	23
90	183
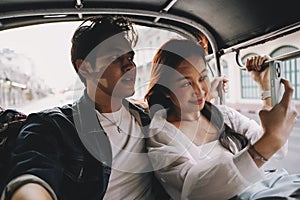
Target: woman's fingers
262	60
249	65
255	63
287	100
288	93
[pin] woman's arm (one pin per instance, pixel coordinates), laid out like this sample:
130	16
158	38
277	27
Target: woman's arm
248	127
277	124
260	75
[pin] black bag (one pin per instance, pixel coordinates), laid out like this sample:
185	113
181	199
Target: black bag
10	124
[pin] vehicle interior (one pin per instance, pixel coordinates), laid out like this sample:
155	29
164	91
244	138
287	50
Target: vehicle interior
235	29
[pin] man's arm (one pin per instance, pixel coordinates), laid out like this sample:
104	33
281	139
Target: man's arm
31	191
28	186
35	159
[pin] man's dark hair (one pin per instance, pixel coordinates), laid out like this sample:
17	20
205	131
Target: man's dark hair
95	30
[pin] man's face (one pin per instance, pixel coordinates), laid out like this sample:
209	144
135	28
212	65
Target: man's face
114	72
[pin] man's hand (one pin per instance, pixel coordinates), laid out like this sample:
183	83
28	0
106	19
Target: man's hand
31	191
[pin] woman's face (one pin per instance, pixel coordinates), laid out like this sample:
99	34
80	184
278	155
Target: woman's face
189	85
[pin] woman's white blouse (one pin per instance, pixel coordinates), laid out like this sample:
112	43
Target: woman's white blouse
209	171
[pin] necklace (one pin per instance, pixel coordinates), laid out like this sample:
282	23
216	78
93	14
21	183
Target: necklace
206	130
114	123
205	149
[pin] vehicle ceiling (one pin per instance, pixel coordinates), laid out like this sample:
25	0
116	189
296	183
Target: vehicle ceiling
228	24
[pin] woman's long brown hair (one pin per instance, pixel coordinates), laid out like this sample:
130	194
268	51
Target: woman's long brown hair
166	60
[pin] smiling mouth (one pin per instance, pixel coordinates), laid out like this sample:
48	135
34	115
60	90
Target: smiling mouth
197	102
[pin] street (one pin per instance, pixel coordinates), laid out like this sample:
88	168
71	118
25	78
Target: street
44	103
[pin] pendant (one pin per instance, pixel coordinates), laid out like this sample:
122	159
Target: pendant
119	129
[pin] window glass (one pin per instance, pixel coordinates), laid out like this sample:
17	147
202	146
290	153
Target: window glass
244	95
36	70
290	67
249	88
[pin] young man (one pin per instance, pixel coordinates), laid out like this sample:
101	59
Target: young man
94	148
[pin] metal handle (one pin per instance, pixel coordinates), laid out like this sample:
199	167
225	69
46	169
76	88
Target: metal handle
293	54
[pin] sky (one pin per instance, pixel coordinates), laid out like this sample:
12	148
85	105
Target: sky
48	47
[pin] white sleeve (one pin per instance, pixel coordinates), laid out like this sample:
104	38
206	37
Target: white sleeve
248	127
185	177
241	124
16	183
170	161
223	178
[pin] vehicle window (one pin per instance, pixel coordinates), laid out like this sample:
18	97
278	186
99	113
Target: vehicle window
36	70
35	66
150	39
244	95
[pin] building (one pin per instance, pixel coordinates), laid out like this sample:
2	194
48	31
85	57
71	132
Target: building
18	82
150	39
243	90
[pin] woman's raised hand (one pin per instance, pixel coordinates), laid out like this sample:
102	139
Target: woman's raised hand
258	72
279	121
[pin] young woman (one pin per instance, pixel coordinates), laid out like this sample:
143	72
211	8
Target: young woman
202	151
